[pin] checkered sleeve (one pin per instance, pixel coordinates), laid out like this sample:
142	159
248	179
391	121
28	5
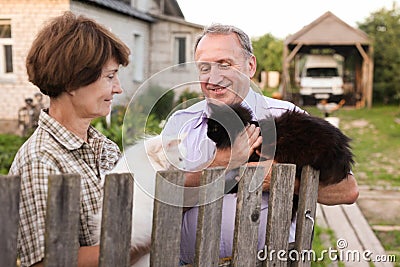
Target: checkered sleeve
33	210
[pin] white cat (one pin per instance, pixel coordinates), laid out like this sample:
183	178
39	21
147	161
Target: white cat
144	159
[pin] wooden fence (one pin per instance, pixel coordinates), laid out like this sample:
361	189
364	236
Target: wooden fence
62	220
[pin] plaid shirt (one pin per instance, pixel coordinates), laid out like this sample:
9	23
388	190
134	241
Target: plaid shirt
52	149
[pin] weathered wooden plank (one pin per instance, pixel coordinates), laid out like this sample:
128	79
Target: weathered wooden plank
9	213
247	220
209	218
167	219
62	220
116	226
364	233
308	195
344	231
279	213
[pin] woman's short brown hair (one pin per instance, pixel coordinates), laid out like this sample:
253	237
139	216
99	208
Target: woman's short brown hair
70	52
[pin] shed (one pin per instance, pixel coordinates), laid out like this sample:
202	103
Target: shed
329	33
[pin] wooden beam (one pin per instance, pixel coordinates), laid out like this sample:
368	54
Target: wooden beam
363	53
294	52
285	72
370	77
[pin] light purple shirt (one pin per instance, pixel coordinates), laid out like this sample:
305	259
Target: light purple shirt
192	122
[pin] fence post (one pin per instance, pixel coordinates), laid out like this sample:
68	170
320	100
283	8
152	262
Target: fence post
116	226
9	212
279	212
247	220
209	217
167	219
62	220
306	214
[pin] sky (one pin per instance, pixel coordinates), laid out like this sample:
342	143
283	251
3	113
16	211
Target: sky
280	17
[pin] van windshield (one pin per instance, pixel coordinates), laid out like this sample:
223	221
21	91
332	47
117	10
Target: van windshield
322	72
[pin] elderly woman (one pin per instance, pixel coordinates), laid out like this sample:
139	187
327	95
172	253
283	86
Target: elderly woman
74	61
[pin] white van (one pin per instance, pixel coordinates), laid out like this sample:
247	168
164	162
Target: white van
321	79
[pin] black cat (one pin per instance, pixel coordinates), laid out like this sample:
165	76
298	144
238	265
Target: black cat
300	139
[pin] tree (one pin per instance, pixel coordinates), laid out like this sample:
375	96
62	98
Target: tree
268	51
383	27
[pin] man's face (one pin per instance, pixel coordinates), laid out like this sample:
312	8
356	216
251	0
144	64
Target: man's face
224	69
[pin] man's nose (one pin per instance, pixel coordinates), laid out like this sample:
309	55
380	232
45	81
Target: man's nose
215	75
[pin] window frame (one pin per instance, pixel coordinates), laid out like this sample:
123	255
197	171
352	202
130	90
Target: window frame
176	49
7	41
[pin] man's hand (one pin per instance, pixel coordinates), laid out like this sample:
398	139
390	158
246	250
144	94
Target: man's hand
244	145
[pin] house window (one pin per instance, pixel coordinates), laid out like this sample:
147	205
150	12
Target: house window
180	50
6	60
138	58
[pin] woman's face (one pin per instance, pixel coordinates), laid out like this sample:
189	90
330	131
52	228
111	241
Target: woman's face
94	100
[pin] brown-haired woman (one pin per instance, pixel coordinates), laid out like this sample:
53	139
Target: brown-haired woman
75	61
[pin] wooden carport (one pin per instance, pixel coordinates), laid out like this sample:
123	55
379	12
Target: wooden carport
330	32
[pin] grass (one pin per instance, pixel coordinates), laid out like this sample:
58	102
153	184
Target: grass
392	243
375	141
323	240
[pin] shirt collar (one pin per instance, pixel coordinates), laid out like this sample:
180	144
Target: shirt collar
62	135
250	102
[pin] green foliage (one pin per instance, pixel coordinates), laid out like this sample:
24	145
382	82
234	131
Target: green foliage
188	95
268	51
9	145
129	125
113	132
383	27
157	100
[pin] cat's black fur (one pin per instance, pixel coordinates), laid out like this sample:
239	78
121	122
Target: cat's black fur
300	139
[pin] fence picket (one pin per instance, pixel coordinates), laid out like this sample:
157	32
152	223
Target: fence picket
306	213
9	199
62	220
279	212
167	219
209	218
116	223
247	220
63	204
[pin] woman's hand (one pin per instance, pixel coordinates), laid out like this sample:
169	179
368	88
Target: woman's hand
267	164
137	252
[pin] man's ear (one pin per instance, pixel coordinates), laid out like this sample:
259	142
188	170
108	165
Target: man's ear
252	65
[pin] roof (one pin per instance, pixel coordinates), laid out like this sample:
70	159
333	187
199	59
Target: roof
177	20
121	7
328	30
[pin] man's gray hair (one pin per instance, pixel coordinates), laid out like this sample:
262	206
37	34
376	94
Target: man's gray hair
217	28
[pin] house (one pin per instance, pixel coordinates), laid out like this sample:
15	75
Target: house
154	30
